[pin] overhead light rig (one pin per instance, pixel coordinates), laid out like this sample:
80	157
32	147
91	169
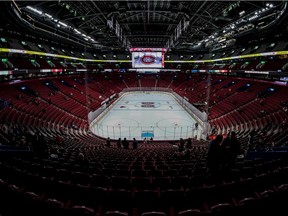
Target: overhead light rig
59	24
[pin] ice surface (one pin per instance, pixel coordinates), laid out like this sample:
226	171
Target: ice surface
138	112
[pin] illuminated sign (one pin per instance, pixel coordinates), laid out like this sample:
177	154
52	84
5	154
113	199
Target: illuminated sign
148	50
51	70
5	72
149	59
257	72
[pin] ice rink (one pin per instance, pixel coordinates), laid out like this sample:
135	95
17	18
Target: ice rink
146	114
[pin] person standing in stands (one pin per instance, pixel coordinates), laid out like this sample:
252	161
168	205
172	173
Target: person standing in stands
125	144
181	145
214	155
108	142
189	143
135	143
119	143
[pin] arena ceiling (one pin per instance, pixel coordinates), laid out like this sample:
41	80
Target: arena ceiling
124	24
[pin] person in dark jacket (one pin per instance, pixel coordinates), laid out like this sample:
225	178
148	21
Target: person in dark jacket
214	155
135	143
125	144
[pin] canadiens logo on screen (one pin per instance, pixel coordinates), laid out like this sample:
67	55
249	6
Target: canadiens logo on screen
148	59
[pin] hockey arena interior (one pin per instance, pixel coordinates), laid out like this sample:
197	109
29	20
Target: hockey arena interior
143	108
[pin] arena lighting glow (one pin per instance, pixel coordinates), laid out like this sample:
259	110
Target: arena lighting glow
29	52
48	15
63	24
241	13
59	23
34	10
230	28
256	72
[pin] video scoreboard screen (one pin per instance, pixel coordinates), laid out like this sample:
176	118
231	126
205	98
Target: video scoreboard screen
148	57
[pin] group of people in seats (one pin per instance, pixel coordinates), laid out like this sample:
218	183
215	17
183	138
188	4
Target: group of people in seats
183	148
222	153
184	145
145	140
17	136
123	143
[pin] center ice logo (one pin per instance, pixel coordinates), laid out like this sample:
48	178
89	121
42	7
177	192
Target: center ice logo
148	59
148	104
